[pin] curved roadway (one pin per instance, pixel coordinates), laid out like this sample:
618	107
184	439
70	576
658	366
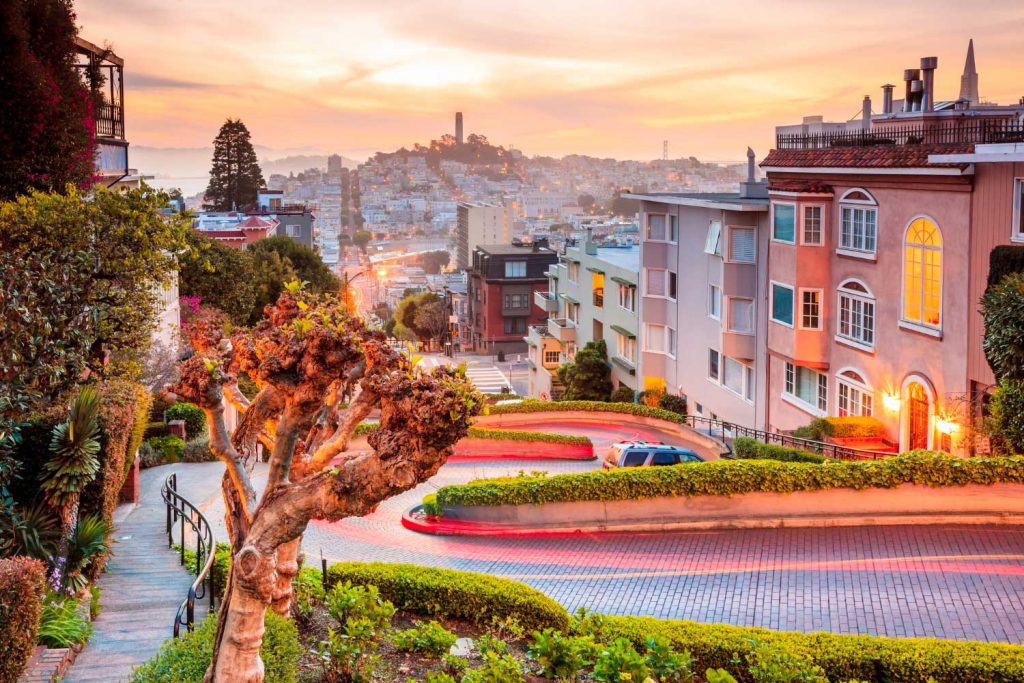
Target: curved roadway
943	581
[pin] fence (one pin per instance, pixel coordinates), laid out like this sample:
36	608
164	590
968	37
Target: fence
180	512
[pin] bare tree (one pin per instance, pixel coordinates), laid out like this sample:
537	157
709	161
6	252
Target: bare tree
305	356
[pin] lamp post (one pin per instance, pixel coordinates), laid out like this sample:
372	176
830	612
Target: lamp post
346	284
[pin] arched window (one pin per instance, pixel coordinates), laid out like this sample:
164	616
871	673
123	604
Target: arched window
858	225
922	273
856	320
854	395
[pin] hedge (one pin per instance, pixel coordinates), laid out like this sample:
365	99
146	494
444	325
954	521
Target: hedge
843	657
1004	260
533	406
451	594
503	435
850	426
192	415
745	448
22	584
185	660
729	477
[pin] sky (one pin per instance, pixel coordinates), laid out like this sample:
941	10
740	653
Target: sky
601	77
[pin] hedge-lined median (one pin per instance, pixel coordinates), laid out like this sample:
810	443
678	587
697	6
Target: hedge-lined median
731	477
745	448
22	581
534	406
504	435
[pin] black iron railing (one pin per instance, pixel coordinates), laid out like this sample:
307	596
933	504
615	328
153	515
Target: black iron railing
727	431
961	131
180	512
110	121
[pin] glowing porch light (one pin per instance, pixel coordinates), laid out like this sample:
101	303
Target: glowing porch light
946	426
891	401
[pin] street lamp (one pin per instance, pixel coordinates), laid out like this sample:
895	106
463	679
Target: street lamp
347	282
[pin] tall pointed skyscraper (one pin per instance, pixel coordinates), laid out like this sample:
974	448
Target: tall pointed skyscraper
969	81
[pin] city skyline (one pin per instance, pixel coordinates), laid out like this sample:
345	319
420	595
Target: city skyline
568	79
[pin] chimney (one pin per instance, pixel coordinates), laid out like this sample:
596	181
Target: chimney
751	188
865	113
910	76
928	66
589	247
750	165
887	98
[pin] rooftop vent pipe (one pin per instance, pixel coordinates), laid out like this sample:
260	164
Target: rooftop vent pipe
866	113
750	165
928	66
887	98
909	76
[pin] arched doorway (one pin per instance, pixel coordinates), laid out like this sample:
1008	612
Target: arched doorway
918	413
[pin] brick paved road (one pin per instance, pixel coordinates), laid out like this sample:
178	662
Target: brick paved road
943	581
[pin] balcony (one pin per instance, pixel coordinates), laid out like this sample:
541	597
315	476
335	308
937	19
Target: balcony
956	132
562	329
738	346
545	301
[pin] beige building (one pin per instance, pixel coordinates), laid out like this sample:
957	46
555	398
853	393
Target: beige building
478	224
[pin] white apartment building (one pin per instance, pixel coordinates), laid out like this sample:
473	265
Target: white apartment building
479	223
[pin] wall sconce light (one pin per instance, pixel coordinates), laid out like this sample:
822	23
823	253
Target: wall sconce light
891	401
946	426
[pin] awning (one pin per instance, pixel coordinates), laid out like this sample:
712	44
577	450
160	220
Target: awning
551	275
595	270
623	331
623	281
569	298
623	363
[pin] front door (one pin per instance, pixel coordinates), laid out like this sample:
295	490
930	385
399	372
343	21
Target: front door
917	405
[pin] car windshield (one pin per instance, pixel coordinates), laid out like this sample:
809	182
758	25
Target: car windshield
634	459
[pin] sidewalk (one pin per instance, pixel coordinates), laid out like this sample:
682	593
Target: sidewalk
144	583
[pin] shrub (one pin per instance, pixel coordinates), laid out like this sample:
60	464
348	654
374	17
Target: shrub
1004	260
430	506
622	394
307	592
731	477
526	435
771	663
532	406
171	446
1007	406
561	657
193	415
95	593
496	669
221	565
198	450
350	655
619	661
22	582
154	429
140	423
651	397
854	426
430	639
746	448
449	594
150	456
185	660
667	665
60	624
673	404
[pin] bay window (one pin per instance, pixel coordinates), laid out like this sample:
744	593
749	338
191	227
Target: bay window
807	387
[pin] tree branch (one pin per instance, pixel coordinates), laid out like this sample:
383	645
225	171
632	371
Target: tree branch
361	406
220	445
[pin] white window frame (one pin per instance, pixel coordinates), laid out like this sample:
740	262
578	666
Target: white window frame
753	234
714	301
843	292
753	315
923	327
664	280
869	204
1017	227
821	225
748	384
793	399
647	226
713	242
725	360
796	223
624	343
718	356
671	283
570	267
843	380
821	306
627	293
649	331
771	303
512	265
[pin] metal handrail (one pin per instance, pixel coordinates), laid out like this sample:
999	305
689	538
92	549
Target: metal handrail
180	509
729	430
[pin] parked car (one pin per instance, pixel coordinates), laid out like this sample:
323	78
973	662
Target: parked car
647	454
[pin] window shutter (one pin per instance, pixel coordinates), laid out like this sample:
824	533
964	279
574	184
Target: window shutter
741	245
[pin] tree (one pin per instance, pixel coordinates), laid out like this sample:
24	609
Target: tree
410	324
271	271
431	320
1002	310
305	357
220	276
622	206
361	238
1006	409
433	261
235	176
586	202
47	129
308	265
588	377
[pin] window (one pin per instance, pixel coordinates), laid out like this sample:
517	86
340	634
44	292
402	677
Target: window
627	348
661	459
634	459
1018	209
855	397
741	245
573	271
807	387
514	325
782	304
673	228
732	375
748	392
922	274
670	341
551	357
292	230
515	268
672	282
812	225
627	297
784	223
656	227
856	314
656	282
713	359
715	302
712	245
810	309
517	301
858	223
741	315
655	338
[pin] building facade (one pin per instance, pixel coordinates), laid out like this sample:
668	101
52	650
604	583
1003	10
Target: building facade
478	223
500	306
591	295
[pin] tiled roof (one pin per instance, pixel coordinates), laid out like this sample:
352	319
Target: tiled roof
225	234
879	156
799	186
254	223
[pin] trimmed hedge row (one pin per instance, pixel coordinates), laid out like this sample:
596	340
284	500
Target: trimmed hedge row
22	584
745	448
730	477
503	435
451	594
534	406
863	658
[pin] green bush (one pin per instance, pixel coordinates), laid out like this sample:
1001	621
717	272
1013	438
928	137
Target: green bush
672	403
525	435
171	446
619	661
150	456
449	594
746	448
430	639
622	394
560	656
193	415
496	669
731	477
532	406
60	624
1007	407
198	450
155	429
1004	260
185	660
22	583
221	565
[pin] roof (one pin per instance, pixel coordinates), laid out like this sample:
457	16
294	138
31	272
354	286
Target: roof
512	250
254	223
880	157
224	234
801	186
730	201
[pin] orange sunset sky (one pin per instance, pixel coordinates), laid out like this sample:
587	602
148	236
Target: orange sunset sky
549	77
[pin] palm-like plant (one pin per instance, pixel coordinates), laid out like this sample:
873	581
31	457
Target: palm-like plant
88	542
73	463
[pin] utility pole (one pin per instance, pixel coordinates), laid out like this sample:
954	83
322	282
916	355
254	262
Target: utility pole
664	150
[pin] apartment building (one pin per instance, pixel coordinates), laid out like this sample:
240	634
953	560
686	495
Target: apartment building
591	295
877	256
477	224
501	284
702	293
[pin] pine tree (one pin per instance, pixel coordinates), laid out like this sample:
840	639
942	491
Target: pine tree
235	177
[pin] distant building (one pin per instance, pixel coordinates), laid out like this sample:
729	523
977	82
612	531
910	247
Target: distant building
458	127
225	227
293	220
334	163
503	280
479	223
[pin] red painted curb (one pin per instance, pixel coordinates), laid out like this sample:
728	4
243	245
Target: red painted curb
446	526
